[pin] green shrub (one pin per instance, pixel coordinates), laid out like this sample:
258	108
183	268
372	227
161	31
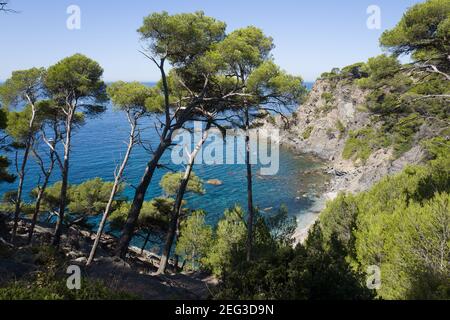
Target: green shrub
437	148
380	70
314	270
49	282
341	128
348	73
355	71
229	242
195	240
339	219
332	75
362	108
307	133
362	143
328	97
329	102
310	271
56	289
402	225
385	103
403	133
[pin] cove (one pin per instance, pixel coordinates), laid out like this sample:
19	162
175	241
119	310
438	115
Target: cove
98	147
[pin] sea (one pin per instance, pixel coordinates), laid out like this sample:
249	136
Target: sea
99	145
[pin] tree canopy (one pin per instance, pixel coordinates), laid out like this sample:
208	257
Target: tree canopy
135	97
5	176
74	79
170	183
180	38
19	125
85	200
423	31
154	217
23	87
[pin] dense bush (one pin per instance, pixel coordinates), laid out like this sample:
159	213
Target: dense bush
154	217
380	70
86	200
329	102
229	242
360	144
195	240
312	271
316	270
307	133
401	225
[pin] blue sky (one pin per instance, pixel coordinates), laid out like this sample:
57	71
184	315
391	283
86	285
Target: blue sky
310	36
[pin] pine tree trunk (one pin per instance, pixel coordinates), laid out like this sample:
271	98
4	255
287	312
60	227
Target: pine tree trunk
116	185
136	206
62	205
145	242
174	222
38	206
19	193
65	181
176	258
178	205
250	217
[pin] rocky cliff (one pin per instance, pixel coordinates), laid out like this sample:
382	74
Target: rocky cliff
322	126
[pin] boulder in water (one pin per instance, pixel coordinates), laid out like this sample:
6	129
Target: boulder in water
215	182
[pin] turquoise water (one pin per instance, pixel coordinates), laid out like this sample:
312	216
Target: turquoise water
98	148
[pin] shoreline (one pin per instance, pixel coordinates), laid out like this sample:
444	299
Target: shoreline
312	215
349	177
326	192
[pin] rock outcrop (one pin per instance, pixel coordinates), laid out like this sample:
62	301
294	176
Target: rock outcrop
321	127
316	126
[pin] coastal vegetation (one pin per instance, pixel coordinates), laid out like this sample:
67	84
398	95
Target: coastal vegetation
49	281
401	225
307	133
402	98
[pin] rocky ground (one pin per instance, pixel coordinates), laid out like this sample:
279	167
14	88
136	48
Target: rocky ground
136	275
